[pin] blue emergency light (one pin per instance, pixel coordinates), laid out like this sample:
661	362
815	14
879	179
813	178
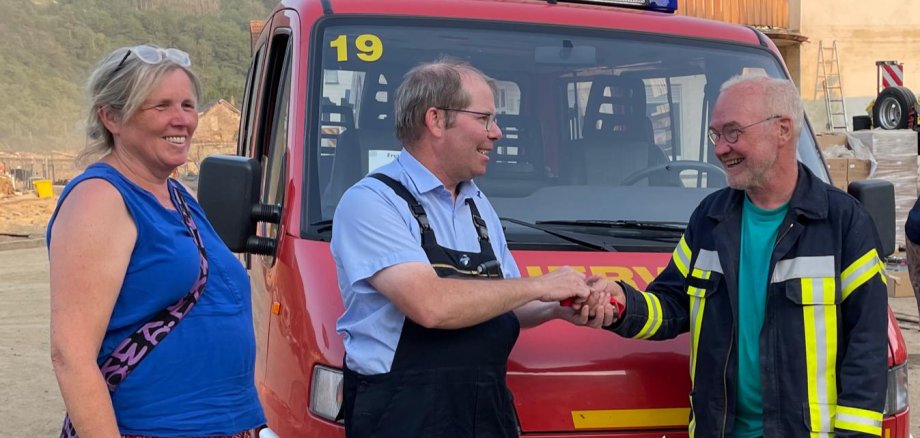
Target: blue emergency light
663	5
651	5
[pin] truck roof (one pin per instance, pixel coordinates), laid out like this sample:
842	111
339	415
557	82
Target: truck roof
535	11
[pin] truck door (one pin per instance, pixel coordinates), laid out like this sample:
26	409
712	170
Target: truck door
264	137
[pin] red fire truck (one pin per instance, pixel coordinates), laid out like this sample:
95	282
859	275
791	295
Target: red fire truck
604	107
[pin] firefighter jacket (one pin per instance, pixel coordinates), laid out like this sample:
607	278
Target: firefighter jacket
823	345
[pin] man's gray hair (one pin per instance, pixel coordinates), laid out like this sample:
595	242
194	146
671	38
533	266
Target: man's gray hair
435	84
780	96
120	83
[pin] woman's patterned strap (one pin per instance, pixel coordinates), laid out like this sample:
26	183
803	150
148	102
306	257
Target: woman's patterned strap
136	347
244	434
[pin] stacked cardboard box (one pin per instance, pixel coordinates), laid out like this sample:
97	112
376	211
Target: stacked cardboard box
846	170
842	164
829	142
895	152
899	284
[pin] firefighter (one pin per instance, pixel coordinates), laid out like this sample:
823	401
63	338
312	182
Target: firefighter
779	282
420	256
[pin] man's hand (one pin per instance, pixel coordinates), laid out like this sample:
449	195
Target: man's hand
599	294
607	300
611	287
561	284
595	311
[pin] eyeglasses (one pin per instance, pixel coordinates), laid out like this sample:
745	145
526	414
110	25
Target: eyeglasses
155	55
732	134
491	119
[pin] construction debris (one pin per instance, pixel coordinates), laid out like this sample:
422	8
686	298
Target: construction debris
6	186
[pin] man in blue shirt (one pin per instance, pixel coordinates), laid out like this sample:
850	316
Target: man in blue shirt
779	282
427	334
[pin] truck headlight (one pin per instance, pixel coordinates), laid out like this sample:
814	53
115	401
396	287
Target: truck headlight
896	400
326	392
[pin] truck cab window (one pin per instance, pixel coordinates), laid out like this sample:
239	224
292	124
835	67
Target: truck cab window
274	128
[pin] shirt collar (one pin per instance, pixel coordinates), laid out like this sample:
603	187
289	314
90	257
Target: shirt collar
425	181
808	198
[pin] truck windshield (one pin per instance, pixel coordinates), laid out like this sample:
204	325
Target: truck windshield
600	128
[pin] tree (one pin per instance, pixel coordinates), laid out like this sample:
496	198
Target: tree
50	48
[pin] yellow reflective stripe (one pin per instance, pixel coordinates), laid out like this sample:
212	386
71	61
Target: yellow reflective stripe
654	317
681	257
811	364
861	271
691	428
820	324
830	325
630	418
881	269
697	305
825	288
859	420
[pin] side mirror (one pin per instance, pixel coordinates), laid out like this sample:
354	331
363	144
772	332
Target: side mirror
877	197
228	192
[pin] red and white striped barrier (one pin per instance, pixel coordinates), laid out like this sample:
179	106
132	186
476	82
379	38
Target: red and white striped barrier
892	74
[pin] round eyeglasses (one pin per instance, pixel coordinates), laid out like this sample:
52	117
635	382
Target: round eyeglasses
490	119
732	133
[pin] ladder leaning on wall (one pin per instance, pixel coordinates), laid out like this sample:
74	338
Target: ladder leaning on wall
828	80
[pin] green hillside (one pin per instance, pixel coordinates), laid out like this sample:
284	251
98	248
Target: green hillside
49	47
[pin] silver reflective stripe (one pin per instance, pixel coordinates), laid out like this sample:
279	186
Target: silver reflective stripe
803	267
708	261
821	353
858	420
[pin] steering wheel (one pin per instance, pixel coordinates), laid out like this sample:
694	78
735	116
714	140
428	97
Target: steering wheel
677	167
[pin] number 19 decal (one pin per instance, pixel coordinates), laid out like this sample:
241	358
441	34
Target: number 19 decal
368	47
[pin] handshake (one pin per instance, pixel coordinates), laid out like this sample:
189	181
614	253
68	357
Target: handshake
592	300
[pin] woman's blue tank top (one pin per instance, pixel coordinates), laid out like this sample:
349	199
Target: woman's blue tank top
200	380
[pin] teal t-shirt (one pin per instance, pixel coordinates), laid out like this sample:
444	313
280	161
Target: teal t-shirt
759	230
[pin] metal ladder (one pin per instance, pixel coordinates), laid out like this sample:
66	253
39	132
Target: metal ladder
829	81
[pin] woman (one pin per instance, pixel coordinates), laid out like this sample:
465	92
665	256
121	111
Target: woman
135	265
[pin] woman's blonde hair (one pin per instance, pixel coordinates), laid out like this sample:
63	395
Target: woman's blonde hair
120	83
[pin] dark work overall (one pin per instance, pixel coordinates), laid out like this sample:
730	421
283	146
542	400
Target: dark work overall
442	383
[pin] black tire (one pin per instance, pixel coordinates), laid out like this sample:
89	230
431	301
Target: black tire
893	108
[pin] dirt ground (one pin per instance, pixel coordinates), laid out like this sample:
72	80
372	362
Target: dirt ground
25	215
29	399
30	404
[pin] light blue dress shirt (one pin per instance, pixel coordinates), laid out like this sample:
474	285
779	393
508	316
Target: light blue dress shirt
374	229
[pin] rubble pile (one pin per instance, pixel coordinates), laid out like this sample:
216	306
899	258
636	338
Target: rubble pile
6	186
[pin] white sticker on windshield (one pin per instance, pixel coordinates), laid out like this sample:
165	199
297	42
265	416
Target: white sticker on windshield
379	157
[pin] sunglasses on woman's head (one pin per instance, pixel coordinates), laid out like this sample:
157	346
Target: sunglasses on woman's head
155	55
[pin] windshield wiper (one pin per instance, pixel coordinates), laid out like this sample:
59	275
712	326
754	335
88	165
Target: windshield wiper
564	235
677	227
322	226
